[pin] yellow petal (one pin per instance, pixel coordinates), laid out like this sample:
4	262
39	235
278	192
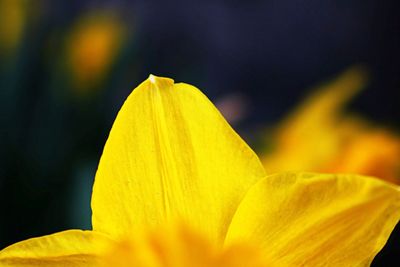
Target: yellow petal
318	219
69	248
170	154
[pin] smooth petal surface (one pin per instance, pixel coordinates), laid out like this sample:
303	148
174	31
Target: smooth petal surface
70	248
318	220
171	155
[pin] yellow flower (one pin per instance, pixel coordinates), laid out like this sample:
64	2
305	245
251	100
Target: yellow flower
92	46
176	186
318	137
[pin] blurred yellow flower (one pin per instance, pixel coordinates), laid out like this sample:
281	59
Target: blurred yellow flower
374	152
13	16
176	186
317	136
92	46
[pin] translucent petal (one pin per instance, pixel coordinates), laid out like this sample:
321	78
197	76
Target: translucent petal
317	219
170	154
69	248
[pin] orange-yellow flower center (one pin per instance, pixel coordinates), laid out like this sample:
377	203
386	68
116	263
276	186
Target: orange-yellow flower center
180	247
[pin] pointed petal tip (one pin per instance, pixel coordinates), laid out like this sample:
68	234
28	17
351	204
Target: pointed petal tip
160	81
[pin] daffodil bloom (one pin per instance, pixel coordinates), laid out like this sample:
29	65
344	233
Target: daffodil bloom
176	186
318	136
